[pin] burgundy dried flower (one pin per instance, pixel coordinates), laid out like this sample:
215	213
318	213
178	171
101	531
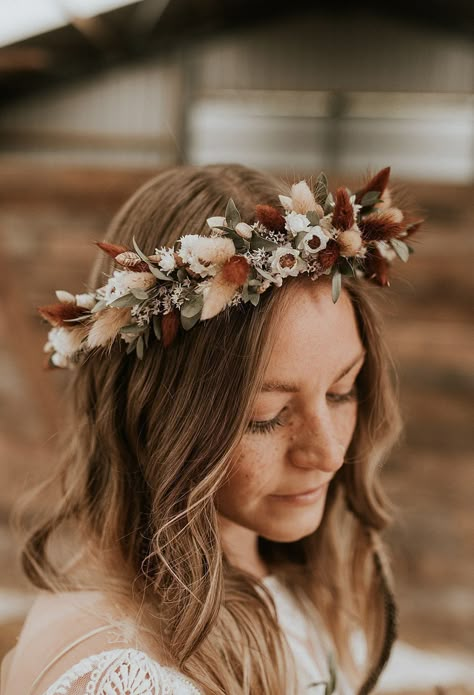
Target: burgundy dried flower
328	256
380	226
236	270
61	314
169	327
376	267
379	183
343	216
270	217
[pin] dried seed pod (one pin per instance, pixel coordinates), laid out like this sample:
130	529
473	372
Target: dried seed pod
129	259
244	230
155	258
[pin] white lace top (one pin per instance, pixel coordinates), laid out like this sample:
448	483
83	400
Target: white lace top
127	671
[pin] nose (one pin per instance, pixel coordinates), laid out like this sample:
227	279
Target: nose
318	445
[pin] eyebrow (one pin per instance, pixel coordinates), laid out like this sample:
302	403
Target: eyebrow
293	388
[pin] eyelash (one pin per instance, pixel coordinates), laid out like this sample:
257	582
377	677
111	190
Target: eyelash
265	426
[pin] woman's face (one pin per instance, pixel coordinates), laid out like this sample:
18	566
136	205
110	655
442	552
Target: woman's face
302	423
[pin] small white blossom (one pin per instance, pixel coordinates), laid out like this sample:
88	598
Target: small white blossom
296	223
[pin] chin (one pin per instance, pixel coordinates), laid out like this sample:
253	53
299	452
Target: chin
289	533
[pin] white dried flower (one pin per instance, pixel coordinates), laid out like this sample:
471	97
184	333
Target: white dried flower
123	281
296	223
286	261
205	255
65	341
216	222
65	297
86	300
244	230
386	251
167	262
314	241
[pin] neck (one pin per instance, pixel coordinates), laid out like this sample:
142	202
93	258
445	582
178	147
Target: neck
240	546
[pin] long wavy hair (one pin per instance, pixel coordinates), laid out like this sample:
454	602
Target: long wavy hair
148	443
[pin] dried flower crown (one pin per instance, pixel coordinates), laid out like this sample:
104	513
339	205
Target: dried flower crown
314	232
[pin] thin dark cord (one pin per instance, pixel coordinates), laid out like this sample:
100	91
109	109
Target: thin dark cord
390	609
391	625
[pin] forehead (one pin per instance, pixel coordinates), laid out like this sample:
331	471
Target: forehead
315	338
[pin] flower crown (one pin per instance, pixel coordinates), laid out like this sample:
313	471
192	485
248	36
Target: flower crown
314	232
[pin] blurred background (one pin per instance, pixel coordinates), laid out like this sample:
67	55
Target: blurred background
98	95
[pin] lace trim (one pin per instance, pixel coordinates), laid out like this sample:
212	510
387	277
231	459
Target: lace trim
123	671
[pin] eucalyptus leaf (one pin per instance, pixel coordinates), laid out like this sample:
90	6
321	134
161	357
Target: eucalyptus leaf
336	285
258	242
245	293
299	238
188	322
182	275
329	203
131	347
140	347
157	327
192	306
132	328
313	217
159	274
401	249
140	252
264	274
254	298
370	198
139	294
99	306
146	336
232	215
124	300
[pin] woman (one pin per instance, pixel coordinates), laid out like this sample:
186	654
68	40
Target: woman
220	508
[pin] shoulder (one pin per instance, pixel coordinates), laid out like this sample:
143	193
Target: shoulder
121	671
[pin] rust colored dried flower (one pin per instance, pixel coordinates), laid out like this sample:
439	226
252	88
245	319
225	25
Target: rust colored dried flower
379	183
61	314
270	217
328	256
236	270
343	216
169	327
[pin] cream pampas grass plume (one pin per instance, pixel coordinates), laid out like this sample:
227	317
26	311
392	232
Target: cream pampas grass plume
107	326
302	198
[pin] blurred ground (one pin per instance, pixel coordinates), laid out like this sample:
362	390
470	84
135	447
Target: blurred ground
48	219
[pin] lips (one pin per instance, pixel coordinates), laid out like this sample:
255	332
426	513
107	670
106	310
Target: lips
298	494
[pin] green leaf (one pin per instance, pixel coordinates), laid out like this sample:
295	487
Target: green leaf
336	285
370	198
232	215
299	238
146	335
313	218
131	347
401	249
159	274
193	306
99	306
329	203
321	189
258	242
140	347
188	322
140	252
139	294
254	298
157	327
132	328
124	300
264	274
